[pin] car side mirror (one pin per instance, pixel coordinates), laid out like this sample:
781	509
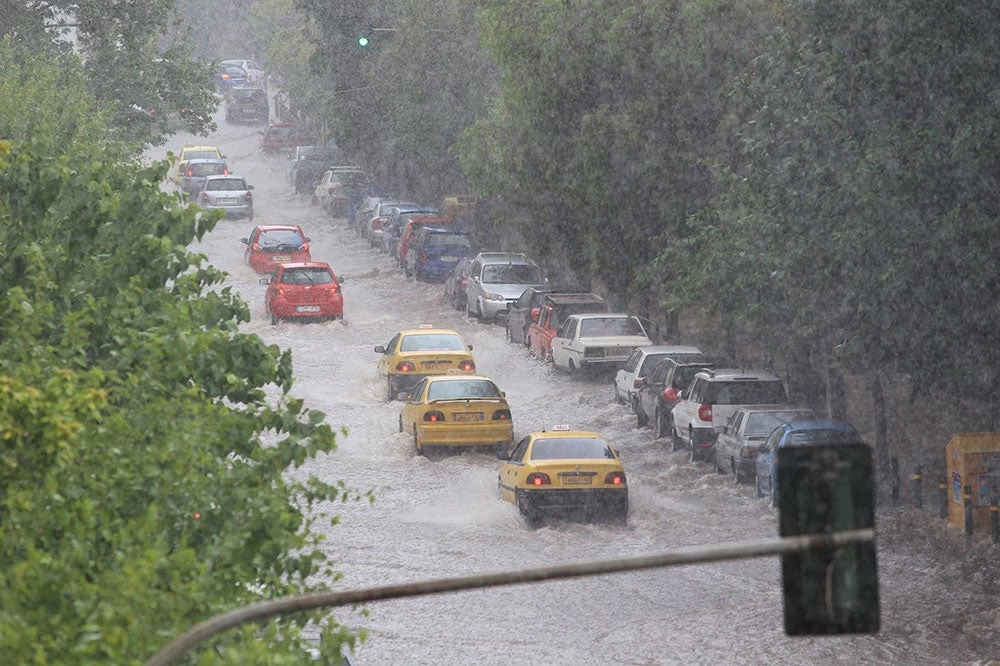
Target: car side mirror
380	349
402	396
475	279
534	315
308	240
682	394
503	394
264	281
470	347
503	455
340	280
249	187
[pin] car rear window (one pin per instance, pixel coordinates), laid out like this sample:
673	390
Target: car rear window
511	274
568	448
281	238
431	341
599	327
822	437
471	388
210	169
201	155
307	276
226	185
747	392
764	423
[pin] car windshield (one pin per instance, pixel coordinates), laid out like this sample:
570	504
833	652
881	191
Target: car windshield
431	341
275	238
448	240
351	179
466	388
764	423
604	326
567	448
207	169
226	185
312	275
200	155
746	393
511	274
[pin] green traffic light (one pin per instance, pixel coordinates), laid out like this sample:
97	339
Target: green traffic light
362	41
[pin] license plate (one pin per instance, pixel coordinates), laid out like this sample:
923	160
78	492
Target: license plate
576	480
307	308
223	200
449	258
281	257
468	416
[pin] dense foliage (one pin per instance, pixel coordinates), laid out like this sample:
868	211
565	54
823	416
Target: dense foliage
145	440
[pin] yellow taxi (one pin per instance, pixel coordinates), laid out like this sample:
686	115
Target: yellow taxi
422	352
195	153
564	472
457	410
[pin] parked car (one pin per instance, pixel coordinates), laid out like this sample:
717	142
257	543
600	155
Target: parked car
435	251
519	316
597	341
195	172
306	166
456	411
247	104
270	245
229	76
562	472
660	393
398	217
338	184
229	193
628	380
457	283
800	433
307	290
705	407
378	217
415	353
749	427
555	307
280	137
497	280
410	231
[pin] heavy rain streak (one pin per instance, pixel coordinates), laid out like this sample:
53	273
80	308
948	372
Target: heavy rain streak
691	234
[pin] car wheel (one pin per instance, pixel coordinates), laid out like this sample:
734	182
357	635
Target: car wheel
739	477
641	420
663	424
406	270
676	443
530	515
774	497
274	319
510	338
389	389
634	404
719	469
756	487
692	449
416	442
468	310
618	395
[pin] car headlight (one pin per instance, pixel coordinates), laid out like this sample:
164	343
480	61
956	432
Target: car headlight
495	297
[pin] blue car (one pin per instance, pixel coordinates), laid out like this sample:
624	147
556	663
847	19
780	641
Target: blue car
797	433
229	76
435	251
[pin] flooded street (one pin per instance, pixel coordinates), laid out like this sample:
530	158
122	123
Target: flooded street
434	519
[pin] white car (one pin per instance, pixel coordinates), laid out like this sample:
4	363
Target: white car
628	380
594	341
705	406
325	194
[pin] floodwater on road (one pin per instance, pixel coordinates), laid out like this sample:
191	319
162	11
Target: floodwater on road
443	518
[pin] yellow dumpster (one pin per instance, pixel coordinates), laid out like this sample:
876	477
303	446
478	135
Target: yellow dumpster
973	468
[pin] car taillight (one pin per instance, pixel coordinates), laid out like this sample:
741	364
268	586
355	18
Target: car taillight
377	225
434	417
669	394
705	412
501	415
204	197
405	366
538	479
304	247
422	257
249	197
225	77
615	479
467	366
190	172
225	171
637	383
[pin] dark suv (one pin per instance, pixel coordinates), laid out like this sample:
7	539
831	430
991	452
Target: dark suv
246	104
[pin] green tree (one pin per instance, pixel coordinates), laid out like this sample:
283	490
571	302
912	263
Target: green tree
143	481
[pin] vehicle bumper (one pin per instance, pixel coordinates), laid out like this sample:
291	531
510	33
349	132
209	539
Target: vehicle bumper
494	309
243	210
703	437
284	309
488	434
566	500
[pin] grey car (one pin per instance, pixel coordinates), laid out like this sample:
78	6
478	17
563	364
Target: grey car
195	172
748	428
496	282
229	193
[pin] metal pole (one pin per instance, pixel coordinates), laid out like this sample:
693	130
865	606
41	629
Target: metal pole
699	555
943	499
918	499
994	521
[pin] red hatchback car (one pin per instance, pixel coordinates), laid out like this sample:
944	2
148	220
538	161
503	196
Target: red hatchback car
272	244
307	289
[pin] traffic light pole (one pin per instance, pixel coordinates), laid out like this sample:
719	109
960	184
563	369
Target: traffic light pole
698	555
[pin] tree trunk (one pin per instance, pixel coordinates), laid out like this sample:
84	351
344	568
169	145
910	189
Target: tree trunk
882	453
